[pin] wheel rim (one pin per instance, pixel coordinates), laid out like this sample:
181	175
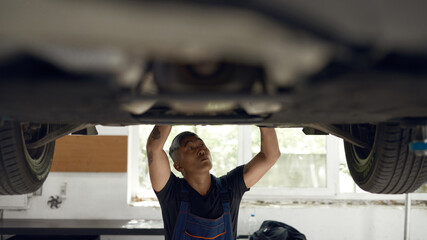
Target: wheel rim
368	134
30	134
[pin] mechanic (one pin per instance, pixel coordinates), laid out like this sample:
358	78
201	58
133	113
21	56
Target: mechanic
201	206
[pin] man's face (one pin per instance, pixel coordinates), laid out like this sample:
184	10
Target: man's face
193	156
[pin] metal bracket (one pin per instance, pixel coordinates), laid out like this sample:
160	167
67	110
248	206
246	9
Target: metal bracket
313	131
90	131
331	129
52	136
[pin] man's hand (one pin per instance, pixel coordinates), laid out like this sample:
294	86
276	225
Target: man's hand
264	160
158	163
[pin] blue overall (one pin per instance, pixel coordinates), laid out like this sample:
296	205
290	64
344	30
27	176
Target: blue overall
190	226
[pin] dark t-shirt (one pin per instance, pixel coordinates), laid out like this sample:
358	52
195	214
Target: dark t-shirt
209	206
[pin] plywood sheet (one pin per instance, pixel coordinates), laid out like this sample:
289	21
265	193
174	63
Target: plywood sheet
90	154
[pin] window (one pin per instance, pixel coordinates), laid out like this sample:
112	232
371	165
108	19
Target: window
310	166
222	142
302	163
303	169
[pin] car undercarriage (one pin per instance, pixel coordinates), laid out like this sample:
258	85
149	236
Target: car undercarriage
345	69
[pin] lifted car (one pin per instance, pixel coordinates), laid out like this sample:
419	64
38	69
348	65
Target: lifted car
354	69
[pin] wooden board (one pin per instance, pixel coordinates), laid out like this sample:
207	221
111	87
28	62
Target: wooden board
90	154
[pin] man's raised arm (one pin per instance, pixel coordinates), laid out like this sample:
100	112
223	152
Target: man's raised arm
158	162
264	160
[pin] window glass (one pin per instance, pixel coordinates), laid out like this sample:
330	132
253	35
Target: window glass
302	163
422	189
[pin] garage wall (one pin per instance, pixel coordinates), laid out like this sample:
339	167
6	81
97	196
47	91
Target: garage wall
104	196
349	222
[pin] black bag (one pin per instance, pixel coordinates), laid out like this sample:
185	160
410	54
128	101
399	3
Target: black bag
273	230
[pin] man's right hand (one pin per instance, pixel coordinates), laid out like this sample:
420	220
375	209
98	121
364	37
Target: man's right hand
158	162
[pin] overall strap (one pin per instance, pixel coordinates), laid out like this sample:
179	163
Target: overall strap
184	209
225	198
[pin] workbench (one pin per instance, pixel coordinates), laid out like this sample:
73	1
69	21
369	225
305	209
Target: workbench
78	229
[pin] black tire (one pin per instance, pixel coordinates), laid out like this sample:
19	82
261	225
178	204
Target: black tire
23	170
388	166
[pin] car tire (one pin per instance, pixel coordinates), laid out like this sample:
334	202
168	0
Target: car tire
23	170
388	166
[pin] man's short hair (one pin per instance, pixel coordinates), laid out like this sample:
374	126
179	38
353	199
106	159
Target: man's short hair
176	143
